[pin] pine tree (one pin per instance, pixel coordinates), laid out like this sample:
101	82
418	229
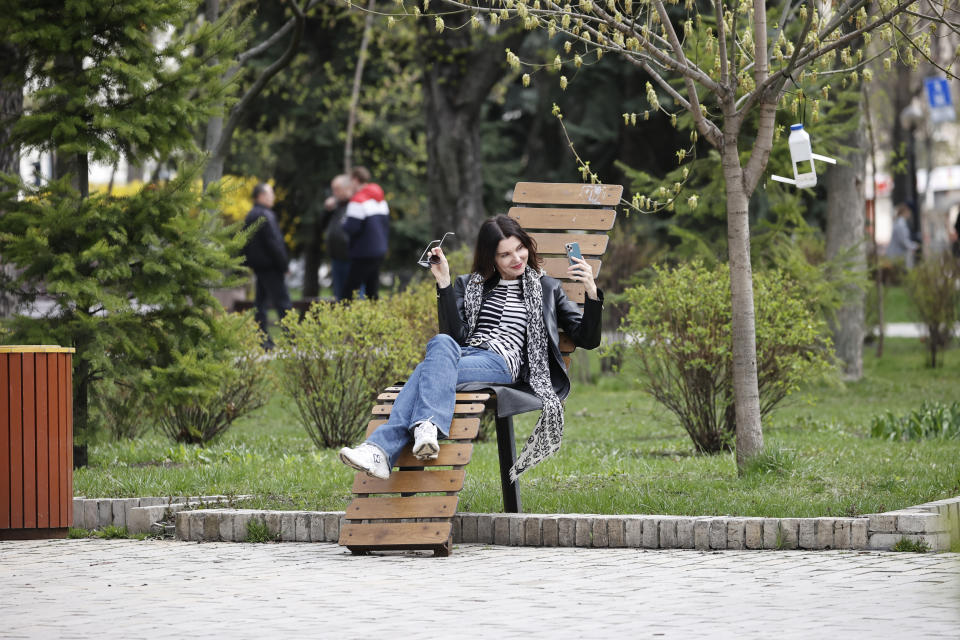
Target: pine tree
130	277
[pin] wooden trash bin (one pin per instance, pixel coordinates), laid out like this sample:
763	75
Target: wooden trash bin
36	441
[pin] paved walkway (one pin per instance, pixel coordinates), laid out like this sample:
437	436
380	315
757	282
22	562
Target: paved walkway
129	589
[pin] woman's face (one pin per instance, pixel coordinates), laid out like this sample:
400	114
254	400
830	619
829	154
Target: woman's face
511	258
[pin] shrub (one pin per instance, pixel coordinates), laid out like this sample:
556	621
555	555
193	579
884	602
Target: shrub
678	329
119	404
212	384
931	420
934	288
334	361
417	308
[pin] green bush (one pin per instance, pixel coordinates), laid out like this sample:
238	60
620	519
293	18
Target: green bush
931	420
934	288
209	386
335	361
678	330
121	406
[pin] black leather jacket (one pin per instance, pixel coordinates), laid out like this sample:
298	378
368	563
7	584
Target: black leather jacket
558	313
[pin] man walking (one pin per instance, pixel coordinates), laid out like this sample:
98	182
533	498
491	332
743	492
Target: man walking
266	254
368	225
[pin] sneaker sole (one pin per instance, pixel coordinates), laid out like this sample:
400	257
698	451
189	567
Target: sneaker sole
427	451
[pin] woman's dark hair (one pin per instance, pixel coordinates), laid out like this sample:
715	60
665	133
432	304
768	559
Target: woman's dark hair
492	231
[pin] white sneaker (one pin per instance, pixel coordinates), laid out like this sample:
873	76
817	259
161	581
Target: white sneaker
367	458
425	446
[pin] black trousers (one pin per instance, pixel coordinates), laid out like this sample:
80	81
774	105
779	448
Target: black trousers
366	272
271	291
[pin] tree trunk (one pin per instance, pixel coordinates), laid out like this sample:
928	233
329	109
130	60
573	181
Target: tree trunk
452	104
904	182
214	169
454	164
11	107
845	222
743	321
313	248
220	130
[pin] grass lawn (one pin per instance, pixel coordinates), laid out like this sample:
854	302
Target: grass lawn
897	305
621	454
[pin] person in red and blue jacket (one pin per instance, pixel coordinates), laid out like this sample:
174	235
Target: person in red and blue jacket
367	223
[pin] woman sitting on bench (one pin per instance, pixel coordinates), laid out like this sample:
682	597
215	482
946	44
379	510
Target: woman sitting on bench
498	324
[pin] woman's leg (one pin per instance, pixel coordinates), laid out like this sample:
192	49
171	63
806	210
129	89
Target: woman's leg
429	394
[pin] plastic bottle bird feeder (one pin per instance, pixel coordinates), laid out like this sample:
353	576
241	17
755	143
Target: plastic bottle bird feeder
802	157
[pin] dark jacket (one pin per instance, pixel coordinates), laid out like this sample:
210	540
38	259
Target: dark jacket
559	312
335	237
367	223
265	251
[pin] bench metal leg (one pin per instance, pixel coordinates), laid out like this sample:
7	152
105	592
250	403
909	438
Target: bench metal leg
508	455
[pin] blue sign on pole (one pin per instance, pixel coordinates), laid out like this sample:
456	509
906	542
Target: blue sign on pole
938	97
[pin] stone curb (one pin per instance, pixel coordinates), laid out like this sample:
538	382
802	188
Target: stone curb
934	523
136	514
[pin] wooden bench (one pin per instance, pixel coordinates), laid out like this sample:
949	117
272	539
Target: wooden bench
414	508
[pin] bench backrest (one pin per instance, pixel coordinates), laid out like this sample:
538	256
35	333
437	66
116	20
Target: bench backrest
557	213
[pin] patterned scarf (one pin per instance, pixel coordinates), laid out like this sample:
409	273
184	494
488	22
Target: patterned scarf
546	436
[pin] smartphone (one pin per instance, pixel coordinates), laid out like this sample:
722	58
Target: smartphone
573	251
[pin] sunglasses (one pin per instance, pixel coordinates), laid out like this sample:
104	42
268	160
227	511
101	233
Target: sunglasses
427	258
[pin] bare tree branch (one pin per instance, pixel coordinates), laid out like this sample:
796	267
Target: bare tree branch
236	111
722	45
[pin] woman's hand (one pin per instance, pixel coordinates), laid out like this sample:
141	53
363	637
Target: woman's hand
580	271
440	270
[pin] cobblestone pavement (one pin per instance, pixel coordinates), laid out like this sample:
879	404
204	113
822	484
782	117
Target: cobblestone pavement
129	589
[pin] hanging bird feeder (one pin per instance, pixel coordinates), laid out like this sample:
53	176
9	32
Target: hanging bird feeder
802	157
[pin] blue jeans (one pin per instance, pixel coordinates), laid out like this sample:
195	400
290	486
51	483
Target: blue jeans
430	393
339	269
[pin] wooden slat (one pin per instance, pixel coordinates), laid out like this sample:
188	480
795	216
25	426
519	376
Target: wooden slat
591	244
29	407
16	443
398	535
5	445
43	443
53	454
65	394
460	428
412	507
567	193
461	397
567	219
557	267
449	454
566	344
458	409
411	482
574	291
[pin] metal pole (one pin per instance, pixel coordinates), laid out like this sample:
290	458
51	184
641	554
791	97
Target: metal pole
508	455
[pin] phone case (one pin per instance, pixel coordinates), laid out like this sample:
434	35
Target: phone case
573	251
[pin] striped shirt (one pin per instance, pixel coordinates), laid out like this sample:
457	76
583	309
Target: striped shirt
502	324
